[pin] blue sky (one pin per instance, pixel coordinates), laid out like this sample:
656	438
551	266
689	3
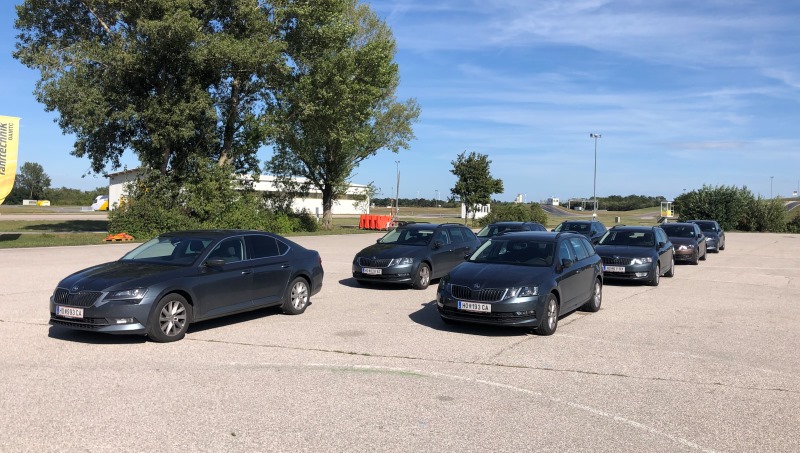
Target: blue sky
684	93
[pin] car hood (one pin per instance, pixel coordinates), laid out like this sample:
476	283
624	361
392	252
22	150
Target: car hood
383	251
118	275
497	275
629	251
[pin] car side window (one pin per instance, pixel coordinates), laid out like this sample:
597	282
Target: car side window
588	246
229	250
468	234
455	235
261	246
578	249
661	236
565	252
442	236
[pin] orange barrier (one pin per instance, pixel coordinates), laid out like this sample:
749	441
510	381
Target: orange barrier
374	222
119	237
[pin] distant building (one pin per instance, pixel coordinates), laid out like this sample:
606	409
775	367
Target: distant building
480	212
353	202
552	201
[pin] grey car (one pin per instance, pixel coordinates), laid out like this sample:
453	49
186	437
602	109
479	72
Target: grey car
687	240
178	278
642	253
414	254
715	235
524	279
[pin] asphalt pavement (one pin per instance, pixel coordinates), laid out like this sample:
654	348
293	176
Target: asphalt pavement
707	361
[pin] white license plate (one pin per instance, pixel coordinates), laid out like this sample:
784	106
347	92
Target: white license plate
472	306
614	268
371	271
69	312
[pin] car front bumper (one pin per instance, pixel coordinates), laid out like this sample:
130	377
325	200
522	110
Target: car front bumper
684	255
637	272
517	311
111	317
393	274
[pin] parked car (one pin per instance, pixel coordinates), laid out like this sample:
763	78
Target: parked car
642	253
414	254
493	229
687	240
162	286
715	235
592	229
525	279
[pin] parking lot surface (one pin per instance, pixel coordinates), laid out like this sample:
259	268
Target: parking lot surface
707	361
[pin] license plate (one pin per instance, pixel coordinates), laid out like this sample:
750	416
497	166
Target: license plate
371	271
69	312
614	268
472	306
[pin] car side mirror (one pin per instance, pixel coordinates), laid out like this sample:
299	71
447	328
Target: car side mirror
437	244
566	262
553	230
661	244
215	262
466	257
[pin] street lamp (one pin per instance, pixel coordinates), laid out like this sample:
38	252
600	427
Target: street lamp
437	198
594	189
397	197
770	186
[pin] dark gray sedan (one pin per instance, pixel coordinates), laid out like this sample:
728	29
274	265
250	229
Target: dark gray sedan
525	279
165	284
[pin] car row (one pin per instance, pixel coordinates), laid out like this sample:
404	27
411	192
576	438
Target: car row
517	275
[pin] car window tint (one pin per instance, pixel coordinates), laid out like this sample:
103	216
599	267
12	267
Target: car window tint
565	252
282	247
262	246
229	250
455	235
442	236
468	234
578	249
589	247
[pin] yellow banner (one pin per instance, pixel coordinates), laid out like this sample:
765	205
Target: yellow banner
9	145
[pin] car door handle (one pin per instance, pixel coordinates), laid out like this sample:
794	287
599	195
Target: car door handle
247	272
285	266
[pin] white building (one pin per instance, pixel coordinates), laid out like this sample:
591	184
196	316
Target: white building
480	211
353	202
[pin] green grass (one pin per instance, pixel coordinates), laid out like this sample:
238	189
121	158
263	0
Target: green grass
22	240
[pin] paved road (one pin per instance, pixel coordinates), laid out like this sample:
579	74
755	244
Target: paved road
708	361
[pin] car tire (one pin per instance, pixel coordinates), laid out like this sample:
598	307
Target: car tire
297	297
705	255
654	280
550	320
695	257
671	272
423	277
170	319
721	246
593	305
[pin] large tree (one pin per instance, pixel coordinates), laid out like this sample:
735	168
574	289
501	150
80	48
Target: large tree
32	181
475	185
165	79
335	106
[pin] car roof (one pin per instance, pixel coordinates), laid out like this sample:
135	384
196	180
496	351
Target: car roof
423	226
215	233
680	223
634	228
540	235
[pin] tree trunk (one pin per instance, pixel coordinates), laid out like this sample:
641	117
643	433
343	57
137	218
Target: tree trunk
230	124
327	208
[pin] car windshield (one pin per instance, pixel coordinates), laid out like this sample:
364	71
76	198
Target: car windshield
494	230
582	228
408	236
524	252
628	237
679	231
173	250
707	226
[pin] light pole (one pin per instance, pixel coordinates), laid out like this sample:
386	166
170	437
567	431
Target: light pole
397	197
437	198
770	185
594	189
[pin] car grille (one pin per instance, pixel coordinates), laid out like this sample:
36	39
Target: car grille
480	295
498	317
368	262
84	323
79	299
611	261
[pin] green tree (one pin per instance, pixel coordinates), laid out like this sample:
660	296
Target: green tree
164	79
335	106
32	181
515	212
475	184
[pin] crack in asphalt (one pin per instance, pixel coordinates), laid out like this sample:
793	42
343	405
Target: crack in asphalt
502	365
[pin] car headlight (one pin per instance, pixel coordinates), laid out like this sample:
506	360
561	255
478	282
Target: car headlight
135	294
401	261
644	260
523	291
686	247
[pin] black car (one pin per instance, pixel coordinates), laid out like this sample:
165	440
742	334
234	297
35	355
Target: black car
493	229
592	229
687	240
163	285
642	253
415	254
715	235
524	279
